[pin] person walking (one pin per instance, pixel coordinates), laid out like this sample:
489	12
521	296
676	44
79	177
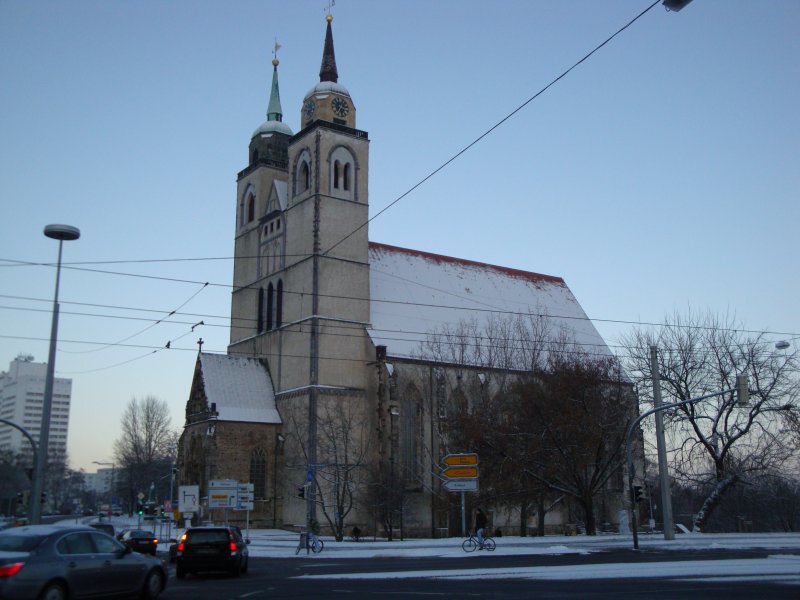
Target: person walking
480	525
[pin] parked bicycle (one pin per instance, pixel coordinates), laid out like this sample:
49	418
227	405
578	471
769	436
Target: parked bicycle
312	542
471	544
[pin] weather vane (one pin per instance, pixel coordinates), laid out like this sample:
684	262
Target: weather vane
331	4
275	49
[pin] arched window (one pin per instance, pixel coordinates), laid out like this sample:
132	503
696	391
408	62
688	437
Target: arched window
305	177
254	158
258	473
251	208
341	164
269	306
260	310
279	304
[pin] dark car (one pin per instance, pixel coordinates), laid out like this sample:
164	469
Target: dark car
211	549
104	527
140	540
56	562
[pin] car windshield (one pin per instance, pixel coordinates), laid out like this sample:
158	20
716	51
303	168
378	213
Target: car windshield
20	543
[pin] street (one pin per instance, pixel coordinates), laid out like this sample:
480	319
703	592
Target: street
499	576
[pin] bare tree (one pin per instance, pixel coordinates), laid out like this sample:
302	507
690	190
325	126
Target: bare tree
342	446
716	443
147	445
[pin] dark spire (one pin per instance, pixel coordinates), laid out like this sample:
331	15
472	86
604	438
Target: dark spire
328	72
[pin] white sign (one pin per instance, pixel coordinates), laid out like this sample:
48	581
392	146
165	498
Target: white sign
244	499
188	498
222	493
461	485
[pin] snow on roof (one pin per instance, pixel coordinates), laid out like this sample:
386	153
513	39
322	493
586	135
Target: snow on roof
415	293
241	388
324	87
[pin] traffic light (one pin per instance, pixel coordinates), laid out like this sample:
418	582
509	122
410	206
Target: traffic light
139	509
44	497
19	497
301	492
638	494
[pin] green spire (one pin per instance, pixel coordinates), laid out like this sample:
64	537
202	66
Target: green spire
274	111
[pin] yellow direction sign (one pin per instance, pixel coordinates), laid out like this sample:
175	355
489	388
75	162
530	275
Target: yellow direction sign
460	460
455	472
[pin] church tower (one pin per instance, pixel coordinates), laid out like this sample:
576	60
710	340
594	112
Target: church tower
301	275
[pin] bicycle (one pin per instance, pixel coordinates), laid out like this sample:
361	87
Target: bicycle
311	542
471	544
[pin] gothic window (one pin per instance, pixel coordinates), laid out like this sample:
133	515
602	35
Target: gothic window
260	310
336	168
251	208
279	304
258	473
411	434
270	290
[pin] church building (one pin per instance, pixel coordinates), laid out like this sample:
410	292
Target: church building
346	356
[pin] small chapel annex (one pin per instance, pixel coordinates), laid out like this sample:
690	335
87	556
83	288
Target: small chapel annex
334	395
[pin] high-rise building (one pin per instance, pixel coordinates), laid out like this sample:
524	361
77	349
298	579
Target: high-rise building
21	401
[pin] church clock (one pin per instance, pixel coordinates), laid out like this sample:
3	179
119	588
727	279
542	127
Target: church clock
308	108
340	107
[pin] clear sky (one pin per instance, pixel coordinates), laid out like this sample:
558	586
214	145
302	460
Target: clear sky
661	174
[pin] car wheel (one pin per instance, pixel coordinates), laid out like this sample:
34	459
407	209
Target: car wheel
180	573
153	584
54	591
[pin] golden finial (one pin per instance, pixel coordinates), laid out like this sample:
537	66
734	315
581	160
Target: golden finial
329	18
275	62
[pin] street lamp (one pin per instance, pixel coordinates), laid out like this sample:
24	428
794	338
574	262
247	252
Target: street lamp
61	233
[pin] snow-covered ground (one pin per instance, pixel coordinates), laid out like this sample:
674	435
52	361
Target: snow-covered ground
782	563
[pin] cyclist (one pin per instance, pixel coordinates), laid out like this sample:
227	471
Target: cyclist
480	525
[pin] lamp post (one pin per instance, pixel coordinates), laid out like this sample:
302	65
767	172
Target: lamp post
61	233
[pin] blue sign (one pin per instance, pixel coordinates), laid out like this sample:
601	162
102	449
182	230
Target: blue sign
310	475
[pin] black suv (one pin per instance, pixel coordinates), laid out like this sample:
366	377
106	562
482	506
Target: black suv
211	549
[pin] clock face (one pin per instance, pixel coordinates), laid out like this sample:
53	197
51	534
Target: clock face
308	108
340	107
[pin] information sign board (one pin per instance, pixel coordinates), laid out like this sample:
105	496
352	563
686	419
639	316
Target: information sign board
244	499
188	498
222	493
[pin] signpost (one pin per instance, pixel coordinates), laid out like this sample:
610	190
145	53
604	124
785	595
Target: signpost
244	501
461	485
458	460
461	472
461	475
